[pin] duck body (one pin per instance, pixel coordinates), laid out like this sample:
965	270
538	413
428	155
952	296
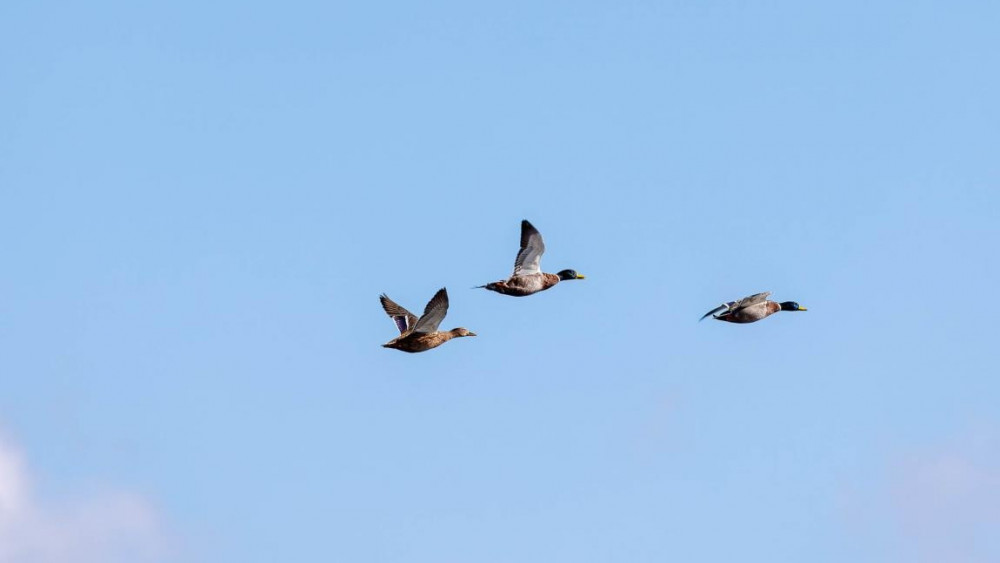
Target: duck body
421	342
524	285
750	314
421	334
751	309
528	278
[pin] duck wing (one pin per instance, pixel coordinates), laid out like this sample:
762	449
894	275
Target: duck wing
529	258
404	319
748	301
434	313
728	308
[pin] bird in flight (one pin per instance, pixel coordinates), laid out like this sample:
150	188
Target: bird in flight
751	309
528	277
420	335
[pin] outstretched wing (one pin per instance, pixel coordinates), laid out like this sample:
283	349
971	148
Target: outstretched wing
729	308
529	258
751	300
434	313
404	319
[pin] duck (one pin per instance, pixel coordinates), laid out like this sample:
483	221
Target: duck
528	277
421	334
751	309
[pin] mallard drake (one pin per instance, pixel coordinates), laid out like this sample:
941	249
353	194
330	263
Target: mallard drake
528	277
751	309
420	335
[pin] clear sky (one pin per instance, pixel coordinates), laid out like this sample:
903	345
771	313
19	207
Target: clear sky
201	202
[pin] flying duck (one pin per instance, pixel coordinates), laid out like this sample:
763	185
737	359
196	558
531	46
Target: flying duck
420	335
751	309
528	277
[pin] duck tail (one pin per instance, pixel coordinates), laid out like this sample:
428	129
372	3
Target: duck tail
720	308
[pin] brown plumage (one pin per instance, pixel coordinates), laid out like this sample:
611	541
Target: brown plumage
524	285
421	334
751	309
528	277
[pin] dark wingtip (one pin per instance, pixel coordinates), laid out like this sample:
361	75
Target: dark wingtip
442	293
712	312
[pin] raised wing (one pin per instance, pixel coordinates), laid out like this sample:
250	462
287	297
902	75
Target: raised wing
404	319
529	258
434	313
752	300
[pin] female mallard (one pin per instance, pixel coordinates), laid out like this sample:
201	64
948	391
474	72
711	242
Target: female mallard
420	335
751	309
528	277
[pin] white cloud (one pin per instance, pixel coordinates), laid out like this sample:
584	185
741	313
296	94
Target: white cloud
947	504
109	528
937	503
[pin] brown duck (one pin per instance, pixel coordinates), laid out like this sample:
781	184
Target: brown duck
751	309
420	335
528	277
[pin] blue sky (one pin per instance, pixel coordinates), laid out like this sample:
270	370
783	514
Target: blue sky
201	203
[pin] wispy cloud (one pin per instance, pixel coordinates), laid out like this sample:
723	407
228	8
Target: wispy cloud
109	528
947	503
938	503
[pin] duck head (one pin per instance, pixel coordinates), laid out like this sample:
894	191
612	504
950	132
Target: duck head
792	306
569	275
